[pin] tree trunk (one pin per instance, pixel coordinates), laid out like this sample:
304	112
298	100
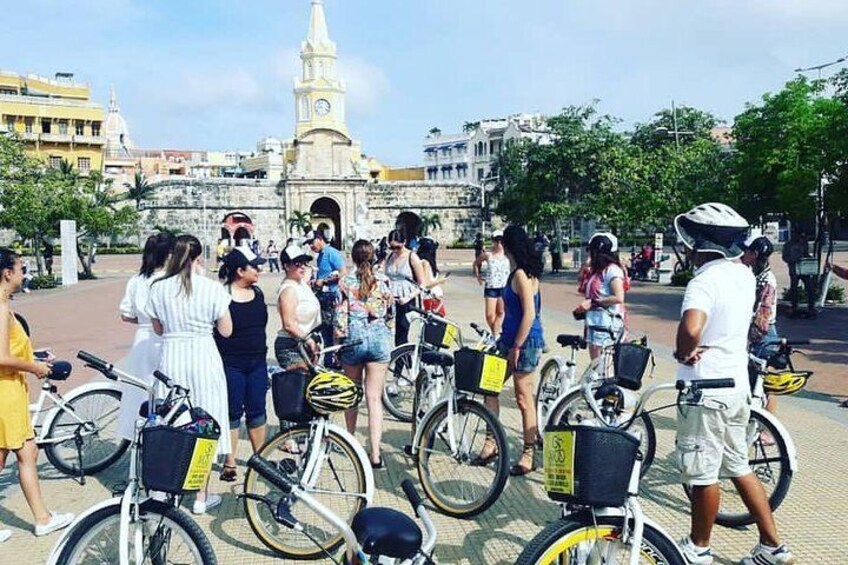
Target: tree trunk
36	253
84	259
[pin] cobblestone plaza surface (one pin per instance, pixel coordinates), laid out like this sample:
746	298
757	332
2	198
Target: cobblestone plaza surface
810	519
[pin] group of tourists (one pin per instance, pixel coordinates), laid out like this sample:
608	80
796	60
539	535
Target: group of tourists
210	336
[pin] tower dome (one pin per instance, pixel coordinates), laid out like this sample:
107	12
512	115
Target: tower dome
118	142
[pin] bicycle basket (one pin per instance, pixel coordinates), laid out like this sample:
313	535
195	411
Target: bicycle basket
588	465
439	334
288	390
176	460
630	361
478	372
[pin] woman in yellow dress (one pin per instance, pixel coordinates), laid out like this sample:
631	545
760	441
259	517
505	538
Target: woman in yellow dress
16	433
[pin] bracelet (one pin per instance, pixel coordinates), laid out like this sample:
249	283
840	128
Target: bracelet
516	346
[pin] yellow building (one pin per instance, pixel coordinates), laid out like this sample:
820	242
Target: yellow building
55	117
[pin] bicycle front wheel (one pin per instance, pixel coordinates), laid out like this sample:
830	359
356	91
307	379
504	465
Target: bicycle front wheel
587	539
168	536
94	414
448	445
338	483
768	458
399	388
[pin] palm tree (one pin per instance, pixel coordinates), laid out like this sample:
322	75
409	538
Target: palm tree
139	190
300	221
66	169
430	221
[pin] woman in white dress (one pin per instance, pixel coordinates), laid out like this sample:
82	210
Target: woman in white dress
146	350
184	306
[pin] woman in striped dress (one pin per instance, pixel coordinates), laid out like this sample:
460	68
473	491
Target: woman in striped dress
184	306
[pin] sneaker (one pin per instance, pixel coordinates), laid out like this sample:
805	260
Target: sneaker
57	522
763	554
693	554
204	506
4	535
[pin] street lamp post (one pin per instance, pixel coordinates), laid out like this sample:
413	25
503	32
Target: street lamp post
205	229
675	132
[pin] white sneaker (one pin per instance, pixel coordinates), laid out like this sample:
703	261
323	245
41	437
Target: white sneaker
694	554
203	506
57	522
763	554
4	535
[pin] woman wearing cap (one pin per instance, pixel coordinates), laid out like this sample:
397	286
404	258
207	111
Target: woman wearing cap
363	315
521	341
299	308
146	350
403	267
184	307
497	272
243	352
16	433
603	292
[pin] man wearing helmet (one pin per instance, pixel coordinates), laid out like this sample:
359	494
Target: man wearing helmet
712	341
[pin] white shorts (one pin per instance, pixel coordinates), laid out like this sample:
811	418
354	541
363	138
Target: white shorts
712	439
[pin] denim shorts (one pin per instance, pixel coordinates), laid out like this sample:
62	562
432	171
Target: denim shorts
247	388
287	353
528	358
376	346
493	292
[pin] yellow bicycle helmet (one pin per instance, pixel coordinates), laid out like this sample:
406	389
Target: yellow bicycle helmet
785	382
333	392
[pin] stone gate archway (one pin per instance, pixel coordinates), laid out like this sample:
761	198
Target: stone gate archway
327	215
237	227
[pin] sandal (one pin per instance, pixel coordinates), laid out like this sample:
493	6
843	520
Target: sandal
490	448
229	474
519	470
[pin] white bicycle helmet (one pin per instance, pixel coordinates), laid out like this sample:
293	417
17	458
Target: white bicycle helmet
603	241
713	227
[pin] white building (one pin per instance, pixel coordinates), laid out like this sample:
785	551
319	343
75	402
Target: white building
471	156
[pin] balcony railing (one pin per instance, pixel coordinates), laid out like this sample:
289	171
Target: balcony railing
44	101
56	138
89	139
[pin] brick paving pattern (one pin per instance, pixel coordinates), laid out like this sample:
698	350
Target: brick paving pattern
85	317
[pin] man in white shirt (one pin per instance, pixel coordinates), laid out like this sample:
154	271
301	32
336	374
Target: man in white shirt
712	341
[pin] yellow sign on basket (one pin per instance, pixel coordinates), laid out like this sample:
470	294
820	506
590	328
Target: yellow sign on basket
201	463
450	335
494	372
558	455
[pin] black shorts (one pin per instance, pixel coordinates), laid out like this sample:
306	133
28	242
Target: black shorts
493	292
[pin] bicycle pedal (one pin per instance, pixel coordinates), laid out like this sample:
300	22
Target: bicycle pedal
118	489
287	466
407	450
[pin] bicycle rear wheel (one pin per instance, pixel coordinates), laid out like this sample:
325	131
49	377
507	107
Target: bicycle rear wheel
168	536
455	486
548	389
399	388
574	410
340	485
769	460
95	415
587	539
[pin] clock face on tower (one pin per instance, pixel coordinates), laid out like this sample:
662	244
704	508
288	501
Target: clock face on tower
322	106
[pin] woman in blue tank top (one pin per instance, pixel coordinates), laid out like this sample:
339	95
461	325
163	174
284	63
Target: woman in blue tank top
521	340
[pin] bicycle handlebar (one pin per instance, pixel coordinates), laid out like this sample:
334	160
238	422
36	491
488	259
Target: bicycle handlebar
270	473
793	342
703	384
163	378
96	363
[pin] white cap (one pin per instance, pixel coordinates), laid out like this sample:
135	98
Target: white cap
497	233
608	235
294	253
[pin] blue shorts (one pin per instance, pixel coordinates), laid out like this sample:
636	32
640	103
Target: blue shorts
247	387
376	346
530	356
493	292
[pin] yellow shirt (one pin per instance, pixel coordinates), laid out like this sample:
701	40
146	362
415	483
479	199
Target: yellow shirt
15	424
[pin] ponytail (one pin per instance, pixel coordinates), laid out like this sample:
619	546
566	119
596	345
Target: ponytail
362	255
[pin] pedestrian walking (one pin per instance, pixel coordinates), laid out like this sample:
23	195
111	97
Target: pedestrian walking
243	352
47	252
363	315
603	293
329	269
403	267
712	344
478	245
16	432
146	352
299	309
521	341
494	281
272	255
794	250
184	307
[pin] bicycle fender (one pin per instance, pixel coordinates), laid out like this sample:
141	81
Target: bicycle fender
648	522
791	452
75	392
60	543
363	460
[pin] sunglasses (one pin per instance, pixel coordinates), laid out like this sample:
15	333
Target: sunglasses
300	264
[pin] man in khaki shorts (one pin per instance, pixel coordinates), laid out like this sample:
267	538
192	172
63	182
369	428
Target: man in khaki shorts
712	341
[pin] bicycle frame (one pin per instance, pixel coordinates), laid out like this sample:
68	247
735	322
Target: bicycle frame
60	403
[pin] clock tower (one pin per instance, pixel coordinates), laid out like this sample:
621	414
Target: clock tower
319	94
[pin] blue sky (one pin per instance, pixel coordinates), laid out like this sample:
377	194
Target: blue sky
217	74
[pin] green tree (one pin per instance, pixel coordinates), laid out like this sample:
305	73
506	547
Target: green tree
300	221
469	127
435	132
695	124
430	221
139	190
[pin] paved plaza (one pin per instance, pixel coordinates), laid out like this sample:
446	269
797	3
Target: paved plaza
86	317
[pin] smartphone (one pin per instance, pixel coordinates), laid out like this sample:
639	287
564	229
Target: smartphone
41	354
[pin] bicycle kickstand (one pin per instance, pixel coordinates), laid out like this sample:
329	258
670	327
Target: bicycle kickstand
78	443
